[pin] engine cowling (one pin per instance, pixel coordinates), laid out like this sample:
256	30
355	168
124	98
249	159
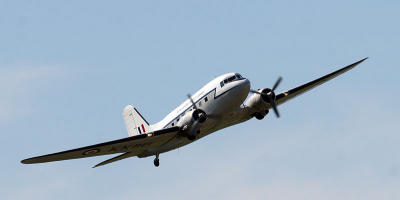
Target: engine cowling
191	117
185	120
259	101
263	100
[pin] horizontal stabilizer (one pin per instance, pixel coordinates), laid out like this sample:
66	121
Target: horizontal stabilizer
117	158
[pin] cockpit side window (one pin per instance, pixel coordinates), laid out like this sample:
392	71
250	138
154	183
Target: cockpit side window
221	83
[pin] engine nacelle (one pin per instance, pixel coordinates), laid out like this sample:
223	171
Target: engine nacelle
190	117
262	100
186	120
258	101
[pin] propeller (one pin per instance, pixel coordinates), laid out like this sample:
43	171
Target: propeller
199	116
269	95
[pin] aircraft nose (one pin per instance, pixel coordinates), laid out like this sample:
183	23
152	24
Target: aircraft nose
244	86
247	82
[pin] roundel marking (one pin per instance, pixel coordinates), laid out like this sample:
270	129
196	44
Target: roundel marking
91	151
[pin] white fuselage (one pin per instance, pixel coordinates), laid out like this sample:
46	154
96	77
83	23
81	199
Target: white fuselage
219	104
222	97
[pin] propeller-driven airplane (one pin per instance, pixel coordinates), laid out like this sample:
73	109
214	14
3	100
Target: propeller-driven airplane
217	105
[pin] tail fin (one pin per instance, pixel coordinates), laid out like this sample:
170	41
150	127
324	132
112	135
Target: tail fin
134	121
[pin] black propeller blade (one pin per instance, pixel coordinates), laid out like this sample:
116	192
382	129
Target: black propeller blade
257	92
191	100
277	84
275	108
194	128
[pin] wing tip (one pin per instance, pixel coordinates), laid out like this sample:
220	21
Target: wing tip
352	65
98	165
362	60
26	161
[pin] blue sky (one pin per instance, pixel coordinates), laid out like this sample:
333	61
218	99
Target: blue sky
68	68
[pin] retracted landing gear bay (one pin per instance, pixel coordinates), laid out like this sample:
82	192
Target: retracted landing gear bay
157	161
191	137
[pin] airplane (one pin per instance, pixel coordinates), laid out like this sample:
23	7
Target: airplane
217	105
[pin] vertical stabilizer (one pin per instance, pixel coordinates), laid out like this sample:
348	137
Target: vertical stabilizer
134	121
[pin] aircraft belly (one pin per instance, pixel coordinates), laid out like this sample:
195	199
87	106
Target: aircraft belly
171	145
240	115
227	109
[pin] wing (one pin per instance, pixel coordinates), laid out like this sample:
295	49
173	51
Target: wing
285	96
135	145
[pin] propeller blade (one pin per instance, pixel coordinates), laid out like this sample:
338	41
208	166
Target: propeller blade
191	100
277	83
194	128
255	91
273	105
275	109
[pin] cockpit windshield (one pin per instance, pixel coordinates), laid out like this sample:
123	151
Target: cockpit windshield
230	79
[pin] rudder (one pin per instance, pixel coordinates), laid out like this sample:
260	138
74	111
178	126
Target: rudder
134	121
